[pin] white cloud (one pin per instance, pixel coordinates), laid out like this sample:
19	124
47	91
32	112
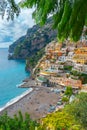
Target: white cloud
12	30
5	45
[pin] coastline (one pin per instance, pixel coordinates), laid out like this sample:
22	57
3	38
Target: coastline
16	99
12	74
36	102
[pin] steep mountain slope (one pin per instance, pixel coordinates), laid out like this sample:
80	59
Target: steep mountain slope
35	39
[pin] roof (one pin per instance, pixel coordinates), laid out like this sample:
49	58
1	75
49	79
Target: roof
48	73
41	79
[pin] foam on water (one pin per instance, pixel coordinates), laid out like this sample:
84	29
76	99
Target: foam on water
14	100
19	85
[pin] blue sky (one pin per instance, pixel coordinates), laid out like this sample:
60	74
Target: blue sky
12	30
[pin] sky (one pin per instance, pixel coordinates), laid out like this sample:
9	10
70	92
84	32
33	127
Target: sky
10	31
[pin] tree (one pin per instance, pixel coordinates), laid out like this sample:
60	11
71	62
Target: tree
17	123
69	16
68	91
10	8
60	120
78	109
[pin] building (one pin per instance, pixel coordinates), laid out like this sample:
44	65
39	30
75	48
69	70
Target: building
62	58
41	80
80	55
44	64
49	72
53	50
70	55
80	67
75	84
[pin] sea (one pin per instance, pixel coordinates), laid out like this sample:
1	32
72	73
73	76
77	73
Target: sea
12	73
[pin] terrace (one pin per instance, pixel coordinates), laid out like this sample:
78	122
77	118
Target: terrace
49	72
80	55
76	84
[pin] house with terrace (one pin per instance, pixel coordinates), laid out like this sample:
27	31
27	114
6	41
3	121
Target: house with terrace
44	64
63	81
53	50
49	72
80	68
80	55
41	81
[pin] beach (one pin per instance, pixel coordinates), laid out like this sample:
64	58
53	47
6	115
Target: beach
36	103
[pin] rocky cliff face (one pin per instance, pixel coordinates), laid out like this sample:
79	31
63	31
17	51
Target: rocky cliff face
36	38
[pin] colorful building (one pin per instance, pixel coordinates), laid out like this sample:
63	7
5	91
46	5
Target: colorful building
41	80
53	50
49	72
80	55
76	84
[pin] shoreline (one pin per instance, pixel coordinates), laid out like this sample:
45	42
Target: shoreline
19	85
36	103
16	99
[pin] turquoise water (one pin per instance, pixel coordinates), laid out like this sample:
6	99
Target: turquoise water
12	72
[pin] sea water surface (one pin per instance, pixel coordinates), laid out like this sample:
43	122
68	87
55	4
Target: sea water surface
12	73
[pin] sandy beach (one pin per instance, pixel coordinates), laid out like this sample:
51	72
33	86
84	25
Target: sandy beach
36	103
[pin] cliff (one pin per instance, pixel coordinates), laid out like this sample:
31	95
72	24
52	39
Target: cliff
35	39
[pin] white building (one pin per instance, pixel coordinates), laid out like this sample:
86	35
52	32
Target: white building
80	68
70	55
62	59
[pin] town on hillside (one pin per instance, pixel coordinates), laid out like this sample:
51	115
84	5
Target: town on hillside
62	66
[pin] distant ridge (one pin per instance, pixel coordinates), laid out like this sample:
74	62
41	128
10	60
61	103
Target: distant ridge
35	39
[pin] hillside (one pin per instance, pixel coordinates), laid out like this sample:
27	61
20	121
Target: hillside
35	39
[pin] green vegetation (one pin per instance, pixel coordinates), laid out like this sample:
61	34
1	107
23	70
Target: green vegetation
75	73
68	91
35	39
17	123
79	109
33	60
67	94
69	16
65	99
72	117
60	120
10	8
67	67
81	76
17	50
